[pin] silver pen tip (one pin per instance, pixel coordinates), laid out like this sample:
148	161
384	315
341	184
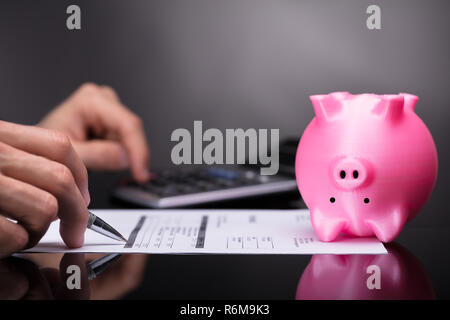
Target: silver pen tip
98	225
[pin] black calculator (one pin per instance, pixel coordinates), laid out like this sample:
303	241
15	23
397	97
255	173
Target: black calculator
187	186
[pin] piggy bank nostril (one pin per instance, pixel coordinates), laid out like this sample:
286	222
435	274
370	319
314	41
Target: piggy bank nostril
349	173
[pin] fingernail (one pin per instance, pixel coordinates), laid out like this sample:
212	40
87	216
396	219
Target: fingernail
87	197
81	242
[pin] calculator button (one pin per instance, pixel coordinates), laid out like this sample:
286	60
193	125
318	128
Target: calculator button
221	173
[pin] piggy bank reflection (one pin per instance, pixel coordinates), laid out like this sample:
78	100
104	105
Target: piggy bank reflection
365	165
346	277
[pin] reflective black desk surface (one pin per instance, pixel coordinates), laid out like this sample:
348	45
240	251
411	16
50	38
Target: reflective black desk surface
415	268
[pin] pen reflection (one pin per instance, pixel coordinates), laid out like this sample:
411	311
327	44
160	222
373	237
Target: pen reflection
348	277
100	277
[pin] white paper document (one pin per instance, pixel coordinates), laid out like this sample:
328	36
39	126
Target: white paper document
210	231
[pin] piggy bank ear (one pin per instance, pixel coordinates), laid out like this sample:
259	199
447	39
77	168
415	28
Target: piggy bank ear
390	107
410	101
326	107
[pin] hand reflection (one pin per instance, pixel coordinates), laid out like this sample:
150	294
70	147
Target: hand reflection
345	277
124	276
24	279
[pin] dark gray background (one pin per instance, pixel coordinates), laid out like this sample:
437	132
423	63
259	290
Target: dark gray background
230	63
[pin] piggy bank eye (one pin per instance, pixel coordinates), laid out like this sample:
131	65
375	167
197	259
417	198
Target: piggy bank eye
366	200
332	199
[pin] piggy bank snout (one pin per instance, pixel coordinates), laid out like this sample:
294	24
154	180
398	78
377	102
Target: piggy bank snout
350	173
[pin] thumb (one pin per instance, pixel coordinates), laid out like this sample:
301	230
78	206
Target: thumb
102	154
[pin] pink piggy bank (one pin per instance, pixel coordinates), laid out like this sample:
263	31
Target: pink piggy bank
365	165
349	277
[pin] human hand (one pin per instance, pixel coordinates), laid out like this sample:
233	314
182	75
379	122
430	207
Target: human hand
21	279
105	134
125	275
41	178
47	277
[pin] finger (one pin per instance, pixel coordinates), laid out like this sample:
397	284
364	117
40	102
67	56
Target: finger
33	208
110	93
13	237
52	277
133	137
34	175
68	277
49	260
48	144
102	154
38	287
128	126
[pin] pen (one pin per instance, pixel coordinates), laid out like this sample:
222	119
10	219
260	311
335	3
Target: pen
96	267
98	225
